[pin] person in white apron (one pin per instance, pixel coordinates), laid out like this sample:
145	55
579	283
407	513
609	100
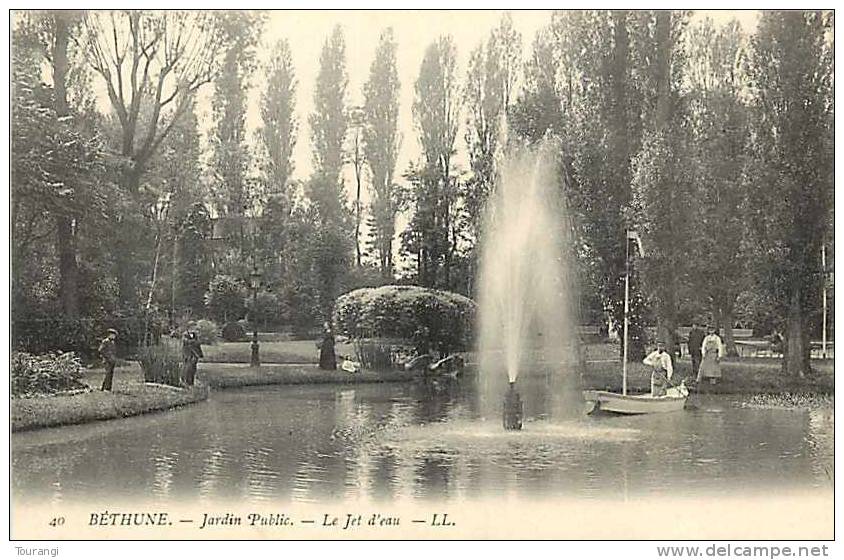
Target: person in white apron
712	350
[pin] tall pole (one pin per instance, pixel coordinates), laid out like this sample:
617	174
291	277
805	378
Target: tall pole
255	358
626	311
823	297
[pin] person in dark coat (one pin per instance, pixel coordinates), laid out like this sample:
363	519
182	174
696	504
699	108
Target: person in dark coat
696	336
191	353
327	357
108	352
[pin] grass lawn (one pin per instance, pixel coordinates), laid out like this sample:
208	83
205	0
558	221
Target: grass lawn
130	397
603	370
285	352
739	375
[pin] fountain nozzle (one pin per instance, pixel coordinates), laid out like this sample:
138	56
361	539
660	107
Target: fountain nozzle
513	411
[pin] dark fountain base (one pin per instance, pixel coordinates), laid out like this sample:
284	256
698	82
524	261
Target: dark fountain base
512	409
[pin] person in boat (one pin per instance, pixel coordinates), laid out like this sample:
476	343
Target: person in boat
662	369
713	350
696	336
327	357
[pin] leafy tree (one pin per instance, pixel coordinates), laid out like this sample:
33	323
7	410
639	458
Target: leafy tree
151	63
330	249
280	125
192	272
358	160
719	119
661	181
432	232
581	87
381	142
225	299
277	136
228	138
791	78
58	177
264	310
45	37
330	120
491	77
538	109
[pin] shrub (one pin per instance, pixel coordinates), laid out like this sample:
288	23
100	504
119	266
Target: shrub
225	298
377	354
44	335
45	374
265	311
206	331
161	364
424	318
234	332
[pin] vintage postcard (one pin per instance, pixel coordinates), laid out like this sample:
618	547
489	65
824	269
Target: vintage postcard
422	275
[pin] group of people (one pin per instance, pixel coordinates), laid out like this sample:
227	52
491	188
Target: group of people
706	350
191	353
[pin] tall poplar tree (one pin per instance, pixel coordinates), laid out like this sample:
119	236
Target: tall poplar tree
329	123
381	142
432	234
791	78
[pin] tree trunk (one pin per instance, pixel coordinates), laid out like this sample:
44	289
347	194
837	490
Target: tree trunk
795	360
358	164
666	329
65	234
68	266
125	260
729	339
174	274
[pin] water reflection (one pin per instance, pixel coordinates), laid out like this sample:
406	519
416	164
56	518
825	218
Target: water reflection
419	441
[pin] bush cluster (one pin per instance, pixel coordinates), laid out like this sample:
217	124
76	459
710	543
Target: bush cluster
234	332
44	374
426	319
83	335
206	331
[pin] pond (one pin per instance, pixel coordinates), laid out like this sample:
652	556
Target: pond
418	441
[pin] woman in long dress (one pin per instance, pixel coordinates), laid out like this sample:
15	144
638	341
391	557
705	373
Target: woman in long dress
327	357
712	350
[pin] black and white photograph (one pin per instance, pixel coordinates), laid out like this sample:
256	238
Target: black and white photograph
428	275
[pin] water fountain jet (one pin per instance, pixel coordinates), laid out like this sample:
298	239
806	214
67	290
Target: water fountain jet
525	283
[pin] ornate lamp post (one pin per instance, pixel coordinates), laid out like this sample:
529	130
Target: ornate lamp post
255	282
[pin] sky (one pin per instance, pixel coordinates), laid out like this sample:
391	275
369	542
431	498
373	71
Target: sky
413	31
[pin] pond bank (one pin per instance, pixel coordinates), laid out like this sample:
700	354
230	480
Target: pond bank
762	381
129	398
132	397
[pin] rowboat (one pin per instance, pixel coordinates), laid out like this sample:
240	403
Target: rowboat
672	401
634	404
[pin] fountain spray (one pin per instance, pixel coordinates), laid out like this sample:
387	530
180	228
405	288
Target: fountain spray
525	287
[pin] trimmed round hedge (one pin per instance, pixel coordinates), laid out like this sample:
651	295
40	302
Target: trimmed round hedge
426	319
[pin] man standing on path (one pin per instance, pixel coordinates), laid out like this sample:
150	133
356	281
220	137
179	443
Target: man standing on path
696	336
191	352
108	352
